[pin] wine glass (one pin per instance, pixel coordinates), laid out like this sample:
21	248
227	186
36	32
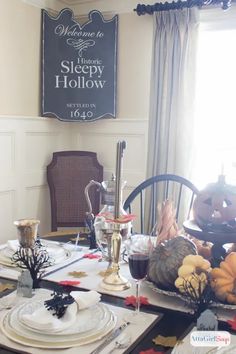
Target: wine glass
138	249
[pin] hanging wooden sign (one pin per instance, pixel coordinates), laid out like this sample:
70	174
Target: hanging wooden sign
79	67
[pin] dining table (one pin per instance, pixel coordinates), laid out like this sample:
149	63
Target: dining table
168	323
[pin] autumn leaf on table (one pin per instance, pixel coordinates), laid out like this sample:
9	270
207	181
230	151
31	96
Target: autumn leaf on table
69	282
91	256
232	323
6	286
150	351
78	274
131	300
165	341
123	219
73	239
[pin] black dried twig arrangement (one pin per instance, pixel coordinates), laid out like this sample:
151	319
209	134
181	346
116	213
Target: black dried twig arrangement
59	303
200	297
34	259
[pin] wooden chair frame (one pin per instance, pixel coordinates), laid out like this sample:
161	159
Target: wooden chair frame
140	190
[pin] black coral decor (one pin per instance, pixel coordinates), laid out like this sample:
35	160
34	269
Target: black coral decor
34	259
200	297
59	303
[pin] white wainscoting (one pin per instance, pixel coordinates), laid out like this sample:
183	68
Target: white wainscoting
26	147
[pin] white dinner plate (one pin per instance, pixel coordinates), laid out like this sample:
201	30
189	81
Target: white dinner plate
67	341
86	319
6	261
56	251
82	332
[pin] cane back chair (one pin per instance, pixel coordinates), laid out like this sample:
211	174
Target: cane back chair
68	174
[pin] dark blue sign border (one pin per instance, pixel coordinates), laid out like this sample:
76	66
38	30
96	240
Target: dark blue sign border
79	67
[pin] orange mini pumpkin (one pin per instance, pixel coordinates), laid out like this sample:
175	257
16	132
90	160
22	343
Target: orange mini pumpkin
203	247
223	279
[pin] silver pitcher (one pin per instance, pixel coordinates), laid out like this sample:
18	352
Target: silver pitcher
103	228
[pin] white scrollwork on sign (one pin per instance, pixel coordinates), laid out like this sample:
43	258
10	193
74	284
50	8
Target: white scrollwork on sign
80	45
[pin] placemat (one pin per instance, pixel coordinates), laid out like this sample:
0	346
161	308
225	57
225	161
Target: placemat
93	281
76	254
136	331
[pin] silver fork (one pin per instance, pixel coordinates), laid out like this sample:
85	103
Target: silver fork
122	342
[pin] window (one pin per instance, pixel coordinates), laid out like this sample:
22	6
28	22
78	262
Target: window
215	119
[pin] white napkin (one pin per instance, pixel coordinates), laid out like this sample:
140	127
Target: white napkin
43	320
54	251
85	299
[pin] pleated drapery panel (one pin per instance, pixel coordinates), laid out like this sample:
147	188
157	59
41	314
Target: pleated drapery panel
172	92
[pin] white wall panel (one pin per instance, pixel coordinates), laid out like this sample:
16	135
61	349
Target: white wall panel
42	207
26	147
7	215
7	152
39	146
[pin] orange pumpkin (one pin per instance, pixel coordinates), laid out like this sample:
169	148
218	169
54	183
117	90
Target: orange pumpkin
205	250
203	247
223	279
216	205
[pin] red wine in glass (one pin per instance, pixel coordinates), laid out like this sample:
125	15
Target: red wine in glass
138	265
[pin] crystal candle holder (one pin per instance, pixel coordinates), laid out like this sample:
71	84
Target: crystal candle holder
27	231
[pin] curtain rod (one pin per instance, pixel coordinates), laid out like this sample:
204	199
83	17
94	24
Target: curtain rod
142	9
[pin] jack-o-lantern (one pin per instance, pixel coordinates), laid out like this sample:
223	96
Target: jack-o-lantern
215	206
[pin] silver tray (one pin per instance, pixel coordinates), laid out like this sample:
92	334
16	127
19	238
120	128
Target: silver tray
185	299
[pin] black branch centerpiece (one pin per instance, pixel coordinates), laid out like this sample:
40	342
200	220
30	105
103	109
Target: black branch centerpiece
35	259
198	295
